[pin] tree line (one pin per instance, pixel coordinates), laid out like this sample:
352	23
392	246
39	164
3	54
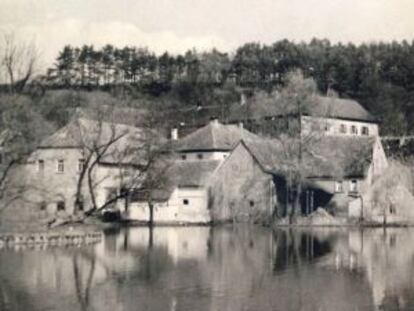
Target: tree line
379	75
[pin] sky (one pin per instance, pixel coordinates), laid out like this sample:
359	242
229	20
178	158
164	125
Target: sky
178	25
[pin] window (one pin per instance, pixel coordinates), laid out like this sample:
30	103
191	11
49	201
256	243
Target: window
354	130
42	206
60	205
40	165
80	203
81	164
342	129
353	186
200	156
365	130
186	202
183	157
1	158
60	166
251	203
339	187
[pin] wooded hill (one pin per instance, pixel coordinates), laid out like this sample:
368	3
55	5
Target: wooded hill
378	75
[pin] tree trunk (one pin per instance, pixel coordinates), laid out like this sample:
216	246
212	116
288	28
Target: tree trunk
297	204
151	212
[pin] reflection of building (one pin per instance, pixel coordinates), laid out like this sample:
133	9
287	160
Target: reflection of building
180	243
219	268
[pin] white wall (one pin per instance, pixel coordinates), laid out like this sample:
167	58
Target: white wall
206	155
312	124
52	186
174	210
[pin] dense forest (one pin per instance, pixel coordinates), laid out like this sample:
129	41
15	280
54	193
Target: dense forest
379	75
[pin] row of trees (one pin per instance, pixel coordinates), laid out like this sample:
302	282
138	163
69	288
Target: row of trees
349	69
379	75
89	67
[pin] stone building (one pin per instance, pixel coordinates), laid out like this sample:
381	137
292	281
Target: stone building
213	178
54	169
335	170
329	116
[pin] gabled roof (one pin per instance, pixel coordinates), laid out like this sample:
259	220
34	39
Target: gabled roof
182	174
341	108
214	137
265	106
84	133
191	173
81	131
325	157
112	114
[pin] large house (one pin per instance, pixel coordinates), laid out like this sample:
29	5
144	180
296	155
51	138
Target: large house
335	170
330	116
228	171
217	173
83	155
211	180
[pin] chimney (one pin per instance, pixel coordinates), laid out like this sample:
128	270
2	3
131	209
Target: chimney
241	128
242	99
174	134
214	121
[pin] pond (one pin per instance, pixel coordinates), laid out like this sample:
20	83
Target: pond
222	268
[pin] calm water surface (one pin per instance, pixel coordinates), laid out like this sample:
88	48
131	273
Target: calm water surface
224	268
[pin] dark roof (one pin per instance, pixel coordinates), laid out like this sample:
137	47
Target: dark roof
182	174
341	108
82	132
325	157
191	173
111	114
214	136
262	106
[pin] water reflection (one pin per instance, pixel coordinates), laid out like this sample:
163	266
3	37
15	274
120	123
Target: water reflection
223	268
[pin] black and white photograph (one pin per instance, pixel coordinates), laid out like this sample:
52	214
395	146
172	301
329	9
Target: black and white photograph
206	155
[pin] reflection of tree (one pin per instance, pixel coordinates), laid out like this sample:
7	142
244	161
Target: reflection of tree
296	247
83	294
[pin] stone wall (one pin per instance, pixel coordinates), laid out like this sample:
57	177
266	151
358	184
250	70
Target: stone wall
240	188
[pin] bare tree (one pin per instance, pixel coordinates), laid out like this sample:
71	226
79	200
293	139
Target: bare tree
295	101
18	60
136	156
21	129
